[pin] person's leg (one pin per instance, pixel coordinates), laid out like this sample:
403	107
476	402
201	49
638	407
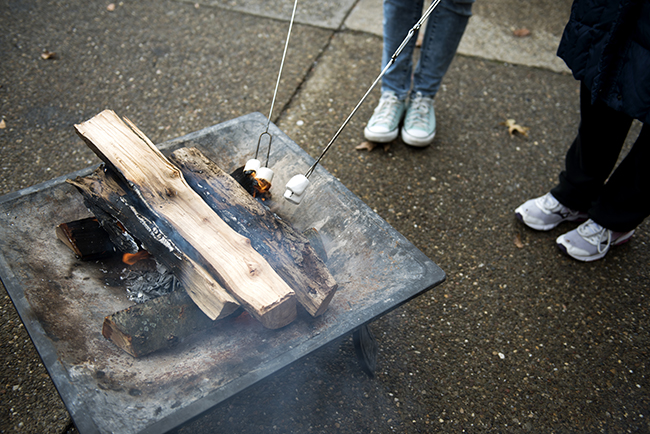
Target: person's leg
593	154
399	17
624	201
444	30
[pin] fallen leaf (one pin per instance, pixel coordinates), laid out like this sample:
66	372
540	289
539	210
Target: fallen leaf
3	125
48	55
518	242
369	146
514	128
386	147
521	33
110	7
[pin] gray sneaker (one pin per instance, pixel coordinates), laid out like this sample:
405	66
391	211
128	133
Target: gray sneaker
420	121
383	126
590	241
545	213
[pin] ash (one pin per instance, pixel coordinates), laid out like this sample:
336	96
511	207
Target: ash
144	285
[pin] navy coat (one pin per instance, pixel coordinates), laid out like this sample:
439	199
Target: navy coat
606	44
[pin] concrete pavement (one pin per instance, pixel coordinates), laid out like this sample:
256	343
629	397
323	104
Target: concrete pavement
518	338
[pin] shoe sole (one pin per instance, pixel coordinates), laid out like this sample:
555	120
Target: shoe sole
380	137
622	240
419	142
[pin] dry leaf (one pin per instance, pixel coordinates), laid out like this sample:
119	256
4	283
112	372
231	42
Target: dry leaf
521	33
110	7
514	128
518	242
369	146
48	54
386	147
3	125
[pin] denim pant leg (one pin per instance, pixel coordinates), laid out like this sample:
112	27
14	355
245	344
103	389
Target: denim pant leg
444	31
445	28
399	17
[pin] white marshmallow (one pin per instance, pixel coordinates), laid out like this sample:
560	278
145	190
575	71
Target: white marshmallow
264	173
295	188
252	165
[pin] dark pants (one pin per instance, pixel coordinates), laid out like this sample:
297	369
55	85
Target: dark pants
621	202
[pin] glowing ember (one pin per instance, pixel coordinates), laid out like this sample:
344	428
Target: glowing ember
132	258
261	186
257	187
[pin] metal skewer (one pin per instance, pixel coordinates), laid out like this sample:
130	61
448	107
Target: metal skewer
299	183
254	164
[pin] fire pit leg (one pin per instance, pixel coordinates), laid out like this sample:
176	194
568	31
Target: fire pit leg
365	345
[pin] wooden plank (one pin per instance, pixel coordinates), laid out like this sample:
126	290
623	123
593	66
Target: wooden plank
106	196
290	253
227	255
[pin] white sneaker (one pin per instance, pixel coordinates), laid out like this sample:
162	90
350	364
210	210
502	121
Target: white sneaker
545	213
383	126
420	122
590	241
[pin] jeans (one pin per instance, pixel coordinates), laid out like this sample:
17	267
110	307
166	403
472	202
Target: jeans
444	29
616	200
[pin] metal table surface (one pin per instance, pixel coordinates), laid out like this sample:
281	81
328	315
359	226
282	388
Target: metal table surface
63	301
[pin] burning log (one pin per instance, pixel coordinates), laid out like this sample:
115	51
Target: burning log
163	192
106	196
287	251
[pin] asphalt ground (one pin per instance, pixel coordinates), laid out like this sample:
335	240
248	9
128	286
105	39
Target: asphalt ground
519	337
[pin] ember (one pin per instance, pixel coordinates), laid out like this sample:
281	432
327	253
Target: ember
149	281
132	258
260	186
255	186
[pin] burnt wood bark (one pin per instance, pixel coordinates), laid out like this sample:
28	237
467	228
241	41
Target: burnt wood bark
160	186
286	250
107	197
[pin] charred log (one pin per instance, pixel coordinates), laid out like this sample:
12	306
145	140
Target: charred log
289	253
157	324
86	238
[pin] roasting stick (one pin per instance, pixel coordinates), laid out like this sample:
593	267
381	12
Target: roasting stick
254	165
299	183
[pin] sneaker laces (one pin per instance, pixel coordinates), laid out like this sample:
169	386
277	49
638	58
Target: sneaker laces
547	202
385	111
419	111
596	235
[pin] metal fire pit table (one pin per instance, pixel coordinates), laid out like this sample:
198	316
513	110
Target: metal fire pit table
63	301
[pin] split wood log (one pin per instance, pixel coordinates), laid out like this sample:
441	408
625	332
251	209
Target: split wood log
161	187
157	324
106	196
289	252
